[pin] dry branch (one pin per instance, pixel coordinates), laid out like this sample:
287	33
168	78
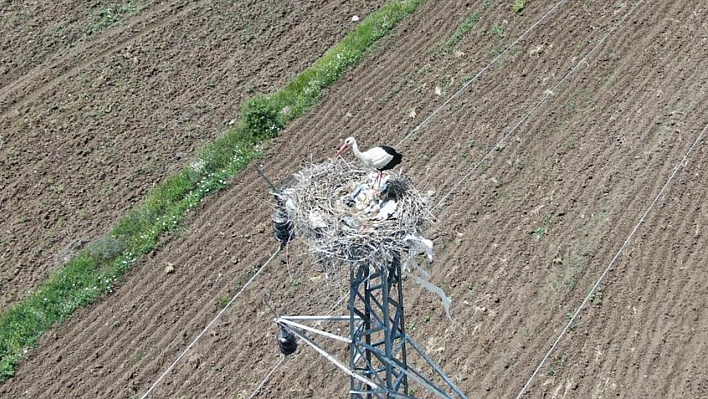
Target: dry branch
336	212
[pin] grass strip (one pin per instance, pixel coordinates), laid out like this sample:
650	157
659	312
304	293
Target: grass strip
97	270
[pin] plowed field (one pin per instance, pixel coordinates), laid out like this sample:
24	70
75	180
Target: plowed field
92	116
544	166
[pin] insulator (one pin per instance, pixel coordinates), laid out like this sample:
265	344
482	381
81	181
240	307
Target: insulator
287	342
283	228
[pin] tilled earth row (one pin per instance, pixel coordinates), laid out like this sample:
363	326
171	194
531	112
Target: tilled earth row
521	238
90	122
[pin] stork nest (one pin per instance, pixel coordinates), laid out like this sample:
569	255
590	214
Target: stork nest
336	211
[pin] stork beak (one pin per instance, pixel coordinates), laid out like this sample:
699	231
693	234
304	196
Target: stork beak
342	149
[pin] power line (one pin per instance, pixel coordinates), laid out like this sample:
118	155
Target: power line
209	325
609	265
419	126
536	106
275	367
546	95
481	71
424	122
267	377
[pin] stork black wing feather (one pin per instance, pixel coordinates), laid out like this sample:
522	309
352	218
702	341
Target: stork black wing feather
394	161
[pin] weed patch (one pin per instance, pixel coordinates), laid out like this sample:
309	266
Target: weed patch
542	230
498	31
519	6
555	366
111	15
466	26
596	297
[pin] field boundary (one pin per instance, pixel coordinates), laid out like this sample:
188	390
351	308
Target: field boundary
97	270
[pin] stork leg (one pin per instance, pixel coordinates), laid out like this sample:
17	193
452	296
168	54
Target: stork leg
377	183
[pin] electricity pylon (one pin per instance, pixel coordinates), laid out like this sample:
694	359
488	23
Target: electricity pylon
378	365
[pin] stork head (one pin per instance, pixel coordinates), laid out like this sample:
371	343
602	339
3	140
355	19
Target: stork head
347	144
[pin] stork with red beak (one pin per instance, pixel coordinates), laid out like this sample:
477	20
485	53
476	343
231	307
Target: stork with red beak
380	157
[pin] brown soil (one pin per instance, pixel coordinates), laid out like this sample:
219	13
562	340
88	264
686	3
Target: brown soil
519	243
90	120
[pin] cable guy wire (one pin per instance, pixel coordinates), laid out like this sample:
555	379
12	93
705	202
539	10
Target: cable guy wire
209	325
481	71
612	262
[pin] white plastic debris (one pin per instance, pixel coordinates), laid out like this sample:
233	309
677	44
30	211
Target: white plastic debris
316	221
364	199
327	202
355	18
373	207
420	245
290	206
380	183
351	222
350	199
387	211
446	301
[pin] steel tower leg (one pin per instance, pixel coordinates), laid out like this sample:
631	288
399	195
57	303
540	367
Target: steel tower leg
378	363
378	346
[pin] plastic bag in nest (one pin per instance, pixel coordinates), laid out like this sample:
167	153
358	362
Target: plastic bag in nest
361	203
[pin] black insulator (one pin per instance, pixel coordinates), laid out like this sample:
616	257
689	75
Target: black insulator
287	342
283	228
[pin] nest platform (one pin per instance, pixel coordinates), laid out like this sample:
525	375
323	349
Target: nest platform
346	215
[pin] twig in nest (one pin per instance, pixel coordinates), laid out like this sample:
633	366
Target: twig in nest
336	212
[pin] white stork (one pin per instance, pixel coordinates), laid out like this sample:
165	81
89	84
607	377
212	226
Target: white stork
381	157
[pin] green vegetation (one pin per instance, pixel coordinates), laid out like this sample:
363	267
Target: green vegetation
305	90
466	154
469	24
519	6
539	232
96	270
555	365
466	26
543	229
596	297
498	31
581	102
223	300
110	15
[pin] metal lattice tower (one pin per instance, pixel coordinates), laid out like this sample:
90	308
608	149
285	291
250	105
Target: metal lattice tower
378	347
378	344
360	232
